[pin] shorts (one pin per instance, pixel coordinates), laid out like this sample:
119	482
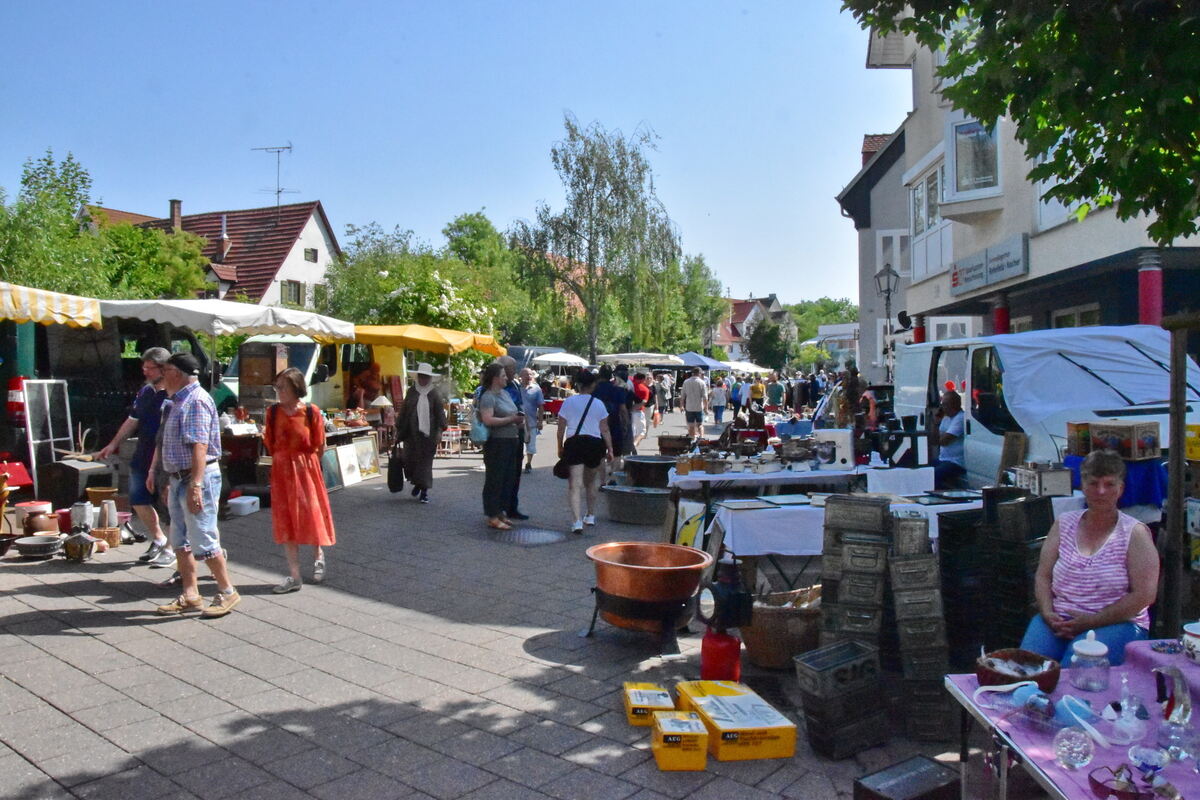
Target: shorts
696	417
586	450
639	424
531	437
139	495
196	532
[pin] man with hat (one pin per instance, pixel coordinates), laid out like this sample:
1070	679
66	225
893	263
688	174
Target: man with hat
419	428
189	451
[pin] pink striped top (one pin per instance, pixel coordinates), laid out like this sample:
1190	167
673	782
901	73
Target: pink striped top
1085	584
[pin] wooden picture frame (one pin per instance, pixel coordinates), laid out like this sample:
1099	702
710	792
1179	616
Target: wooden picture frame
330	471
347	457
368	457
1012	453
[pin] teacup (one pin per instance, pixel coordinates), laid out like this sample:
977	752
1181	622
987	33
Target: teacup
1191	641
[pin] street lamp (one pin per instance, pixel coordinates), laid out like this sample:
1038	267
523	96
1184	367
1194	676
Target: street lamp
886	281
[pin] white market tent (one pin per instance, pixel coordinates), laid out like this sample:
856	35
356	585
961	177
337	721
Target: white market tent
559	360
657	359
220	317
745	366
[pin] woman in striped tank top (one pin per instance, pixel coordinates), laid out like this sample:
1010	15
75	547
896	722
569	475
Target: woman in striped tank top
1098	571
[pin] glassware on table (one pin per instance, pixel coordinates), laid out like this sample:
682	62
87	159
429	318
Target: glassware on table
1148	760
1089	664
1073	748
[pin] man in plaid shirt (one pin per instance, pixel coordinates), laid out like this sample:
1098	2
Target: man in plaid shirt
190	449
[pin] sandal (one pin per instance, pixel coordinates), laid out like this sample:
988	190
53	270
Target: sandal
499	524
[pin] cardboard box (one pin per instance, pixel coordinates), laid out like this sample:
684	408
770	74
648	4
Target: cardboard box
642	700
1132	440
741	725
679	741
1191	442
1079	438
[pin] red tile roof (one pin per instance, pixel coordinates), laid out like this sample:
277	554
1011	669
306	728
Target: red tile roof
261	240
872	142
225	272
111	216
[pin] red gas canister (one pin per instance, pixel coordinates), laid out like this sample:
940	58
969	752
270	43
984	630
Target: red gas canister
720	657
15	409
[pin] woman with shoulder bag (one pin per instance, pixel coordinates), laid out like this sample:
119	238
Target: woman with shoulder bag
502	450
295	437
585	451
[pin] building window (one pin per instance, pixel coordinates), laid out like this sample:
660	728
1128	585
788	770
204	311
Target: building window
291	292
310	254
892	247
932	236
972	160
1020	324
1076	316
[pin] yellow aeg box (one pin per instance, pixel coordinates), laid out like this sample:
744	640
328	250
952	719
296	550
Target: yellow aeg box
679	741
642	700
741	725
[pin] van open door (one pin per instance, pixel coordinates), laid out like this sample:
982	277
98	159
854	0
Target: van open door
947	367
988	416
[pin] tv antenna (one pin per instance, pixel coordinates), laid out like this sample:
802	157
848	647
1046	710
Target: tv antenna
278	190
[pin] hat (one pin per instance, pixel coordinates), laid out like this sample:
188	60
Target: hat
185	363
425	369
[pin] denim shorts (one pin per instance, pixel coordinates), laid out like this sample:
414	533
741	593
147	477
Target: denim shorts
196	532
139	495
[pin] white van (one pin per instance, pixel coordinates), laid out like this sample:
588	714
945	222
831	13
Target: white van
328	369
1036	382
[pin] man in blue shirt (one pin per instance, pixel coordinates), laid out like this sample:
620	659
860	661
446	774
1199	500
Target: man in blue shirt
533	401
951	463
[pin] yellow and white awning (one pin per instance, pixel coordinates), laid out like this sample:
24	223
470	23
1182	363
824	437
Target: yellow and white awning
22	304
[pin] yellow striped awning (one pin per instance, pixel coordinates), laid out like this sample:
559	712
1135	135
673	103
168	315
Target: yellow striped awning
22	304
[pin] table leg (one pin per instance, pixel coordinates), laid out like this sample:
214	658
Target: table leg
1004	772
964	748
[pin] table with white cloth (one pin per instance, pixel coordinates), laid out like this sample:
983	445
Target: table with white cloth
747	480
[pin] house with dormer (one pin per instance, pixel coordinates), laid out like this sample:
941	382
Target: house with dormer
733	331
277	255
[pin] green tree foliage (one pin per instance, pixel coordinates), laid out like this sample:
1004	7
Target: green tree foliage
811	356
703	305
143	262
767	346
809	314
1103	94
612	233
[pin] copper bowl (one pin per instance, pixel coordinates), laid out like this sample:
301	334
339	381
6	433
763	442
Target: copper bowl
1046	681
648	571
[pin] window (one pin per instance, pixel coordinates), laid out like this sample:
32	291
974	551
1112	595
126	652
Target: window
932	236
974	157
1076	316
1020	324
291	292
987	393
892	247
310	254
950	366
949	329
926	201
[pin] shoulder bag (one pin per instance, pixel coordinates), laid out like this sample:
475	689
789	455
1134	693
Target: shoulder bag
562	467
479	432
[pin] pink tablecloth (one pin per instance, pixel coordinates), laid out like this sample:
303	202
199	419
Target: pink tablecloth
1038	747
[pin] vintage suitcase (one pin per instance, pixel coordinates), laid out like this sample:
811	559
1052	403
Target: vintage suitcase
918	778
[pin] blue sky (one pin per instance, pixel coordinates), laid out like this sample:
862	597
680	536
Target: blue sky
410	113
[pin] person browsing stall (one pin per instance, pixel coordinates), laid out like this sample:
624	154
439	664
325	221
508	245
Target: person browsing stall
584	442
1098	571
189	452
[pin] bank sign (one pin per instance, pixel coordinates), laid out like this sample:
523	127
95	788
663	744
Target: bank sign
1007	259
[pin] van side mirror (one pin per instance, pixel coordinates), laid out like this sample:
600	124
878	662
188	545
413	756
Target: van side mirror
320	374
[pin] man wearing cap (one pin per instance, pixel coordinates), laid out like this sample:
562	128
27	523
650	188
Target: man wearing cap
419	426
190	449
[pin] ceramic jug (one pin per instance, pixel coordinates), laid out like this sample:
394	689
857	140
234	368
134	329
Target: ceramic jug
39	522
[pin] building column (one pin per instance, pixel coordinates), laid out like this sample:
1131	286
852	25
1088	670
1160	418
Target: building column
918	329
1150	287
1000	320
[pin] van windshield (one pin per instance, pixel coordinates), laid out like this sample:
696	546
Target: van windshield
299	355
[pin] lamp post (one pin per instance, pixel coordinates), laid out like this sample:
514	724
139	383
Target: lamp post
886	281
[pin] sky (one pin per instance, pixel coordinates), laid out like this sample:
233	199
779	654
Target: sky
410	113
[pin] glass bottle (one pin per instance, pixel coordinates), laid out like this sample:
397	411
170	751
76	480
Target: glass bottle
1089	664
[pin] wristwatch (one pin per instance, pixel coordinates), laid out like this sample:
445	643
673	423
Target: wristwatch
197	485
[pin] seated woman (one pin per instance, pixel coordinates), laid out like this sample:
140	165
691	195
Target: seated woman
1098	571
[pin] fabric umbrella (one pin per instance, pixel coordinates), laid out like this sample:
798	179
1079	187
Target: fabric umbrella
220	317
23	304
442	341
641	358
745	366
559	360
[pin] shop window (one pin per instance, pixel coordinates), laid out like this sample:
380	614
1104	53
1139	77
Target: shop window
987	393
1077	316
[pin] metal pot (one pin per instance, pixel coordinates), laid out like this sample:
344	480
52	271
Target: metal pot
39	521
648	572
649	471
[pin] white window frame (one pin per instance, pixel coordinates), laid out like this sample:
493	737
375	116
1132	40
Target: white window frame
1020	324
934	230
1073	312
901	245
950	192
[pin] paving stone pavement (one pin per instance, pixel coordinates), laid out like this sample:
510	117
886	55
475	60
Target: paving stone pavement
433	662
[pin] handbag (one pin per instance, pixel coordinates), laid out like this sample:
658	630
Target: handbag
562	467
479	432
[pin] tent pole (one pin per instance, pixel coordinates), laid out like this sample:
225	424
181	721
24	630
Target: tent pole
1173	535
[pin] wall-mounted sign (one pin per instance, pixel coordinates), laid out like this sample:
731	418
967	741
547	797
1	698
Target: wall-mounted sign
1001	261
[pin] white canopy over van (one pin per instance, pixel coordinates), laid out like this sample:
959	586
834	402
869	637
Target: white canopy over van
1051	372
218	317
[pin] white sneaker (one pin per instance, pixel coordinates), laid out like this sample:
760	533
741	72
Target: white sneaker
577	526
289	585
590	519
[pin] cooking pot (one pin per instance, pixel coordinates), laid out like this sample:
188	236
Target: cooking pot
649	471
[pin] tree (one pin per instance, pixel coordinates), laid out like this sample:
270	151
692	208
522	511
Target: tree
811	314
703	305
147	262
767	346
612	227
1103	95
811	356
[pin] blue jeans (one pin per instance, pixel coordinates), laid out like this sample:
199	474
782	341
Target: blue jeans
718	413
1040	638
196	532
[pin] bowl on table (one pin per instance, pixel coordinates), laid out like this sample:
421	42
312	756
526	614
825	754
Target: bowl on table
988	676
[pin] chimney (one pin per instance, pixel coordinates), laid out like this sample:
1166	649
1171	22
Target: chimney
177	215
226	242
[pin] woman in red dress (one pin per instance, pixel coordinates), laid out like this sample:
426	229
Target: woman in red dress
295	438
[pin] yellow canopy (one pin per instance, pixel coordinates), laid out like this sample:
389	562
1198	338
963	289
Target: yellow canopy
22	304
431	340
